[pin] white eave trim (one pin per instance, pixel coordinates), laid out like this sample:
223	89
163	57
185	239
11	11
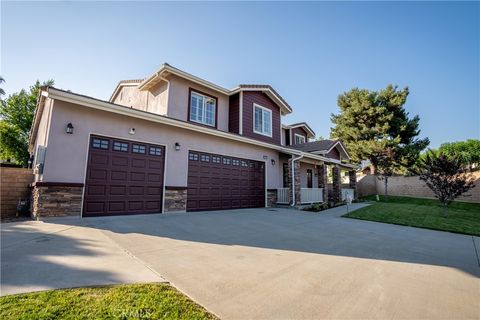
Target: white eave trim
119	86
166	68
53	93
341	146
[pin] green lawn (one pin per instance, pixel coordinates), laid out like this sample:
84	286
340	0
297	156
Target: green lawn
424	213
138	301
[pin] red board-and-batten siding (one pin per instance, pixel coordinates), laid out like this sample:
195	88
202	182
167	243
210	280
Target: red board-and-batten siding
234	114
260	98
334	154
299	131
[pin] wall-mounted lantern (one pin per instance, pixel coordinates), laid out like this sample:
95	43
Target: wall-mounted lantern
69	128
273	162
132	131
177	146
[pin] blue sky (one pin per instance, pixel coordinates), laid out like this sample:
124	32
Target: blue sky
309	52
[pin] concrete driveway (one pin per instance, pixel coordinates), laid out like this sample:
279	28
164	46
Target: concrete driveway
286	264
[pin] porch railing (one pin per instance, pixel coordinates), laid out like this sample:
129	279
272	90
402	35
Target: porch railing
311	195
283	195
347	191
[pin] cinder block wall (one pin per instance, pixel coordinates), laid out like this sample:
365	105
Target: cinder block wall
14	186
410	187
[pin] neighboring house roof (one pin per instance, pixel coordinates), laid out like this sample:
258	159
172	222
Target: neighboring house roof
86	101
310	132
321	147
168	69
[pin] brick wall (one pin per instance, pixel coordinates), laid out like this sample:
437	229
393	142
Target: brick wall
14	186
409	186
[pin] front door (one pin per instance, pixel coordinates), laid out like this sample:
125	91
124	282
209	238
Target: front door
309	178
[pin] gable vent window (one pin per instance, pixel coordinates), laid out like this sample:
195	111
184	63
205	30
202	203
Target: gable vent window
202	109
262	120
299	139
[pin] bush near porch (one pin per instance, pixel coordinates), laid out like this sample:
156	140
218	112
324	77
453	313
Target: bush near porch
462	217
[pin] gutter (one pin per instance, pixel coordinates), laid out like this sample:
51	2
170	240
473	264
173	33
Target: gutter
293	177
86	101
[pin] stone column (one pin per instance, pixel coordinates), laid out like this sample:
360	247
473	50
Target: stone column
352	182
296	189
337	193
323	180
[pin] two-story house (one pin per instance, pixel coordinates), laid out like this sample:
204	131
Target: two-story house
175	142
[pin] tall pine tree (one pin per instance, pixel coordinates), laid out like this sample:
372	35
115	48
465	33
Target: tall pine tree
375	126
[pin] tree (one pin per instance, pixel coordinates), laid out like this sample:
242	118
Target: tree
2	92
468	152
374	126
16	116
445	176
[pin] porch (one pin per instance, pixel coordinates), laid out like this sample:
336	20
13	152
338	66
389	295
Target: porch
316	183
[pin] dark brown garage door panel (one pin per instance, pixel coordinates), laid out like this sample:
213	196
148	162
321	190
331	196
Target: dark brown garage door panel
123	177
222	182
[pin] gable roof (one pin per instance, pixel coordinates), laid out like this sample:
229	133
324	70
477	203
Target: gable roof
168	69
122	83
321	147
310	132
90	102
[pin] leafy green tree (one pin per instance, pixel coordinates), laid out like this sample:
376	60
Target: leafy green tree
2	92
374	125
468	152
445	176
16	116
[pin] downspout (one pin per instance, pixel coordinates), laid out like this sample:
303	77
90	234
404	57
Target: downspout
293	178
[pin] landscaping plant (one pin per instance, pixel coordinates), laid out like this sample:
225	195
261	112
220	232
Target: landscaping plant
374	125
445	176
16	116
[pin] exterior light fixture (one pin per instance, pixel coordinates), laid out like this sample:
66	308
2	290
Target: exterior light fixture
132	131
177	146
273	162
69	129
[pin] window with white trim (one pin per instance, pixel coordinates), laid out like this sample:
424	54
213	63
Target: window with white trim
299	139
202	109
262	120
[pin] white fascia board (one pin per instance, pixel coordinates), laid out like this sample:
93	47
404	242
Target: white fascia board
131	112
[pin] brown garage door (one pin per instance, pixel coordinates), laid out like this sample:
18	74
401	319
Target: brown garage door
123	177
220	182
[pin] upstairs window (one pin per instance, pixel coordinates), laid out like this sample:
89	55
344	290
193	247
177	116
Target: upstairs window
202	109
299	139
262	120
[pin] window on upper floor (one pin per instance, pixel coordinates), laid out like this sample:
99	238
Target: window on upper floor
202	109
299	139
262	120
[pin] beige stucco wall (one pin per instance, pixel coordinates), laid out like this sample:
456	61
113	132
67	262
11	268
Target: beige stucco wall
171	99
66	153
153	100
178	101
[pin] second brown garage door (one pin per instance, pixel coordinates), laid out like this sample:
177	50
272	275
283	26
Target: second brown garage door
220	182
123	177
